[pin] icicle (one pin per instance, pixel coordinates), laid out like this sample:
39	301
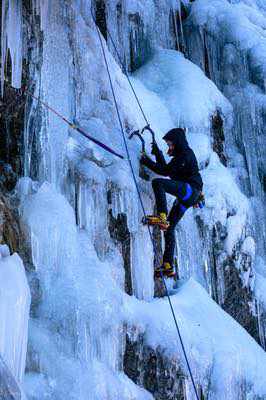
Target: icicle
43	8
12	40
3	43
181	23
176	31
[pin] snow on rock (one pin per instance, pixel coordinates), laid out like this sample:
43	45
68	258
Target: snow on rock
223	198
190	97
249	247
235	22
239	22
220	351
14	311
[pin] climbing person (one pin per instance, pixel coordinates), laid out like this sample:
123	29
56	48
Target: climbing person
185	184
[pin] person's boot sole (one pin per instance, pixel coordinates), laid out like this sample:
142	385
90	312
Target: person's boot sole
155	222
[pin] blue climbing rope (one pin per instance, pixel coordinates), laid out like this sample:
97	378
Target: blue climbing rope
137	186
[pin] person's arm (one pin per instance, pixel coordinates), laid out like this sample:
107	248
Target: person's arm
156	167
158	155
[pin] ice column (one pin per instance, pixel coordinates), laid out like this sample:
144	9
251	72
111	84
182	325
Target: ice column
11	39
14	312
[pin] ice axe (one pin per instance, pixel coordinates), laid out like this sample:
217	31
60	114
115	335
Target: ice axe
148	128
138	134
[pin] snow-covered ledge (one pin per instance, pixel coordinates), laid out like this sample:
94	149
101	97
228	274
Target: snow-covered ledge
14	312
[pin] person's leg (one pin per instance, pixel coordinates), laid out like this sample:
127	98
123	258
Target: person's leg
160	187
182	190
187	195
175	215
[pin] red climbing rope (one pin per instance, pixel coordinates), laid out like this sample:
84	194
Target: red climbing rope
71	124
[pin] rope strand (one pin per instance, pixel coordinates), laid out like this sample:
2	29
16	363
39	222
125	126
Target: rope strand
70	124
140	197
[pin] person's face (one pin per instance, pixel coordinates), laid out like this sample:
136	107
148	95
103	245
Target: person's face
171	148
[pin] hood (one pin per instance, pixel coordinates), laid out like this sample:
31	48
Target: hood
178	137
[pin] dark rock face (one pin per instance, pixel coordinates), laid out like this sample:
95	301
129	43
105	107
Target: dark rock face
15	104
218	137
9	389
10	230
100	14
119	232
11	129
227	287
262	324
176	19
8	178
238	299
153	370
138	42
159	288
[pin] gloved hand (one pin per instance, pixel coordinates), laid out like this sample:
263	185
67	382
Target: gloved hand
154	148
144	158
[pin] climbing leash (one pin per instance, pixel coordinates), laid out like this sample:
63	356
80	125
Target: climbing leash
70	124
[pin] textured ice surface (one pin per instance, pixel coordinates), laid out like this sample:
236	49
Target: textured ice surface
216	345
11	39
78	325
230	38
84	342
14	312
78	328
9	388
190	97
56	67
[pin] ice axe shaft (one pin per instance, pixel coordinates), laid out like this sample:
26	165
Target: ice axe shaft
148	128
137	133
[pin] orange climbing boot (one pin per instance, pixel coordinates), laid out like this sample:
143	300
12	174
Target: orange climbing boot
166	269
159	220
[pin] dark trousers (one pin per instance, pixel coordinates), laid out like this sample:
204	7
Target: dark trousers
186	196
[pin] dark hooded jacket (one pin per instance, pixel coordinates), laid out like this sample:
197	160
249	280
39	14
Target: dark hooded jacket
183	166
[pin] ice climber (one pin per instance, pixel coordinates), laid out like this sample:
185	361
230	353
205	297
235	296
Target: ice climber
185	184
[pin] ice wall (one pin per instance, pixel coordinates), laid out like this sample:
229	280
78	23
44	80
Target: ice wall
82	215
14	311
9	387
227	40
224	359
75	335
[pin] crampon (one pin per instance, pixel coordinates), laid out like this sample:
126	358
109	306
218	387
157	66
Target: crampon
166	269
155	220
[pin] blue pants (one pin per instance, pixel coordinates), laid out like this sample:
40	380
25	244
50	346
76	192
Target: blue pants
186	197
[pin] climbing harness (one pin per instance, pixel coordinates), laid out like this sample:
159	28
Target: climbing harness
72	125
136	183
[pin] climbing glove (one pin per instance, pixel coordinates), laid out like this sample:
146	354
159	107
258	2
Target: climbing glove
154	149
144	159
